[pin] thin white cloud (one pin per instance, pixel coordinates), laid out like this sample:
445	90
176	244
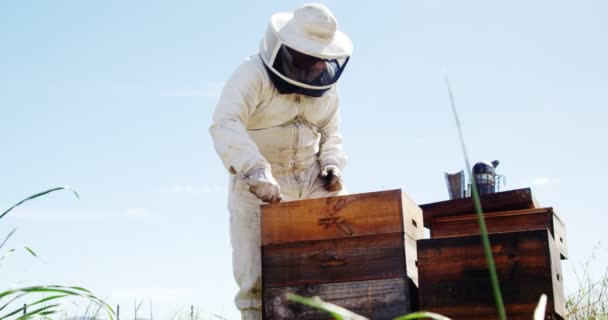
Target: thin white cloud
137	213
540	181
190	189
209	90
55	215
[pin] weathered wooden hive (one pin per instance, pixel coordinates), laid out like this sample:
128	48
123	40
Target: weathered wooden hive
527	244
357	251
365	252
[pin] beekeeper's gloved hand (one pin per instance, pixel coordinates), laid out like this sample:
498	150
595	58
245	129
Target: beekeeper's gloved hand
332	178
263	185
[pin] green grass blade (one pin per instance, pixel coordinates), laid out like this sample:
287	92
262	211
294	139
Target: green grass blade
12	300
480	218
49	290
97	310
27	314
59	292
31	251
7	254
81	289
7	293
336	311
10	234
14	312
70	291
38	195
40	301
46	299
37	311
422	315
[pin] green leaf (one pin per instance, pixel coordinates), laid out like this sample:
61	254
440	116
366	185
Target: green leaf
12	300
38	195
49	298
14	312
80	289
7	293
37	311
31	251
59	293
7	254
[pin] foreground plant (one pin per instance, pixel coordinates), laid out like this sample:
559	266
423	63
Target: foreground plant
47	305
343	314
47	299
336	311
485	239
590	301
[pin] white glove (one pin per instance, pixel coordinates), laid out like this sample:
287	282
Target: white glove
263	185
332	178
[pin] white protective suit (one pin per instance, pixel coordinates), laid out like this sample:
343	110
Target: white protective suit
294	136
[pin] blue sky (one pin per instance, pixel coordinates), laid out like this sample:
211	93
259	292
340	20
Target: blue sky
114	98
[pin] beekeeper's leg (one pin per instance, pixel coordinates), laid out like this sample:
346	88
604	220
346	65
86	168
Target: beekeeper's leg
245	240
246	247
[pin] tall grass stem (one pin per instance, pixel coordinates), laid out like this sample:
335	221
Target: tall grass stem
477	203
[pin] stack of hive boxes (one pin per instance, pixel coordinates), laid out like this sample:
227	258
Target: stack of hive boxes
527	243
356	251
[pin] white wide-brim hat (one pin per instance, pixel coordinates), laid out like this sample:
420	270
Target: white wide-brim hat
312	29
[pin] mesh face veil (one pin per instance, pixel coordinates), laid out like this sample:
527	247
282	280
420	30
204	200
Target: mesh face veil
302	69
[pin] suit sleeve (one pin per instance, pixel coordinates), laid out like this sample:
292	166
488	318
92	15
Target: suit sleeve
331	149
239	99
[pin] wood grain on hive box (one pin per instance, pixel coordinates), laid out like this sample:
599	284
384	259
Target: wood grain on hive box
505	221
370	257
454	279
341	217
358	251
500	201
375	299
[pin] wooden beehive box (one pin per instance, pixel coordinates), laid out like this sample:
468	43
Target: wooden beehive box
504	221
514	210
500	201
357	251
454	279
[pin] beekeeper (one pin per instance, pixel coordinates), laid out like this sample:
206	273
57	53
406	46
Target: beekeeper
276	129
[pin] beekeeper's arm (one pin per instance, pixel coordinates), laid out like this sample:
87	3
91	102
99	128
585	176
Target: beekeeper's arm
331	155
240	155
